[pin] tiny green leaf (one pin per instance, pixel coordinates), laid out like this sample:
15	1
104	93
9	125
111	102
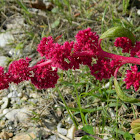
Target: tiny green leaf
118	32
55	23
23	7
88	129
121	94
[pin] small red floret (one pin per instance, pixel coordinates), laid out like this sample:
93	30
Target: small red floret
132	78
19	70
44	77
124	43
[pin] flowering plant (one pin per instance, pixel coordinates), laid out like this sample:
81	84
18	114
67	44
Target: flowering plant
71	54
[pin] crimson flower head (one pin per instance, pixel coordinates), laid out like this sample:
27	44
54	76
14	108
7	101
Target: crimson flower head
44	76
136	49
104	68
86	40
61	55
19	70
124	43
133	78
86	46
4	79
46	44
87	37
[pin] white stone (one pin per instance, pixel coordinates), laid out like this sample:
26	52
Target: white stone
6	102
138	12
71	132
106	85
62	131
13	94
69	120
5	38
21	115
3	60
5	111
54	137
20	95
112	113
1	102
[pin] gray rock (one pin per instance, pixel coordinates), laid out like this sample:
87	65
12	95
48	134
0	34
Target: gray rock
5	111
69	120
15	53
20	95
15	94
5	38
15	100
1	102
138	12
71	132
3	60
54	137
6	103
21	115
61	130
33	101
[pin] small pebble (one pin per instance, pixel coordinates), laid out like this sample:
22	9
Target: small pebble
6	103
61	130
71	132
138	12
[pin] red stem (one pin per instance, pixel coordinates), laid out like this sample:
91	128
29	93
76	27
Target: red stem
44	63
123	59
41	64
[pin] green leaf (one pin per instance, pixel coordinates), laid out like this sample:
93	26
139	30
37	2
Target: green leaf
121	94
87	138
56	23
135	123
118	32
127	136
19	46
23	7
55	10
137	136
88	129
136	130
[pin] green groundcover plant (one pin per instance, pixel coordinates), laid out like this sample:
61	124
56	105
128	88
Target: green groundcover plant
70	55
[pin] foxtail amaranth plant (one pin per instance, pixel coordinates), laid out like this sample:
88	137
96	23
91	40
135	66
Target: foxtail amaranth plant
71	54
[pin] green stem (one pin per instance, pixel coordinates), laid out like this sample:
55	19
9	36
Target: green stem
78	98
117	117
67	108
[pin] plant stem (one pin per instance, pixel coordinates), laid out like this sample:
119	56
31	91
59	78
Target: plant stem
123	59
67	108
44	63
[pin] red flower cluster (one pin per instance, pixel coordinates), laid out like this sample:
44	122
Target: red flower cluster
86	45
4	79
19	70
124	43
44	77
45	46
136	49
133	78
69	56
104	68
